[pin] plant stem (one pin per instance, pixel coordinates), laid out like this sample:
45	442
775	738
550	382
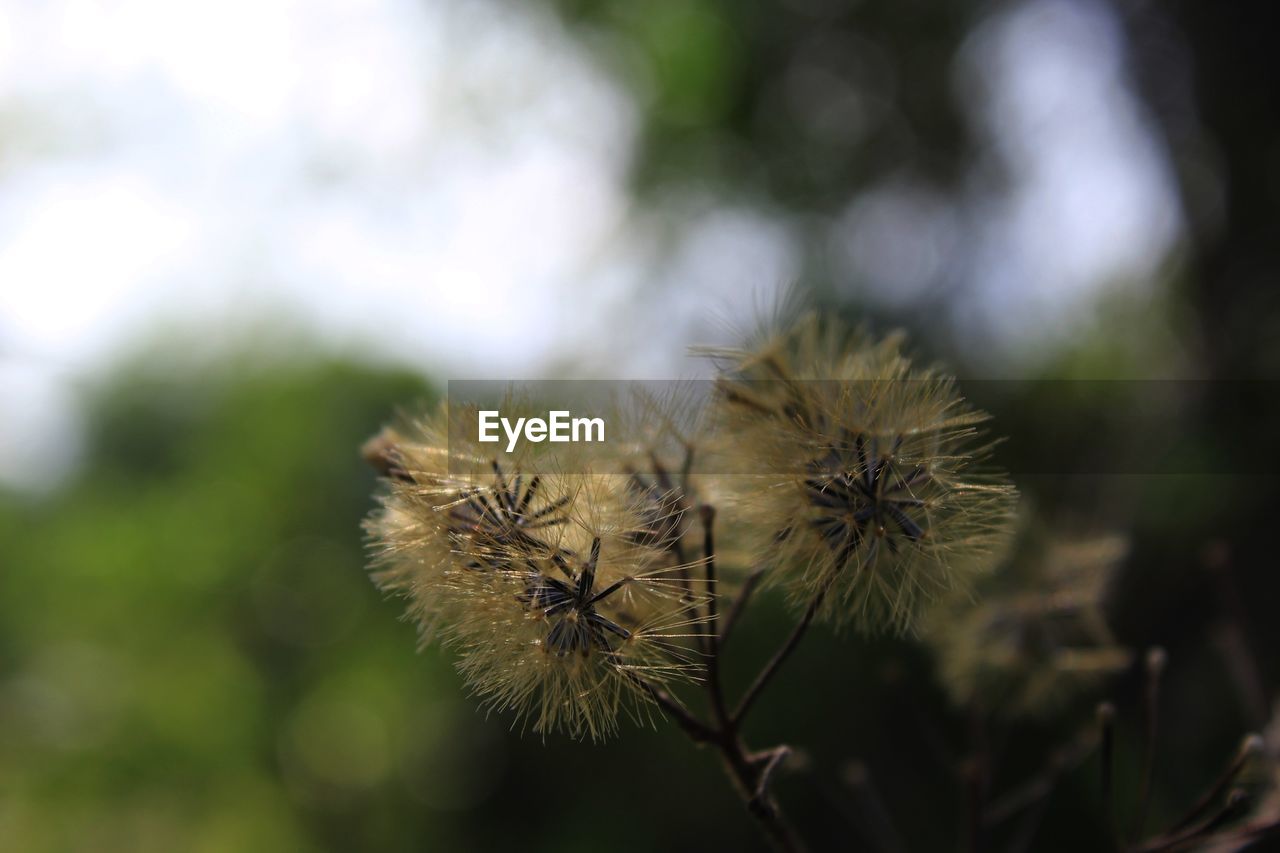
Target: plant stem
1107	740
715	689
1253	745
698	731
749	772
751	779
780	656
1155	664
739	604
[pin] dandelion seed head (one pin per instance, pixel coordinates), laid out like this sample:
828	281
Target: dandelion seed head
531	569
862	475
565	638
448	495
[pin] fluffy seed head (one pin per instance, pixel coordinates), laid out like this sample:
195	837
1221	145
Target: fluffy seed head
536	575
1036	636
448	494
861	474
570	639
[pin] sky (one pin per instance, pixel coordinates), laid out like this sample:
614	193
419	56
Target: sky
444	186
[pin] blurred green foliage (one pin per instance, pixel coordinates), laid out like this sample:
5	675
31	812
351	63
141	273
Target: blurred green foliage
792	103
177	627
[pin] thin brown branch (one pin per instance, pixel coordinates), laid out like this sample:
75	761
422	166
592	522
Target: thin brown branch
769	761
752	781
1250	747
751	773
1031	792
740	604
780	657
749	779
1107	733
697	730
715	689
1155	664
1252	832
1236	804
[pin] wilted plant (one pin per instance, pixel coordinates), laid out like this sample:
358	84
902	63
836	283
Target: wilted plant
578	587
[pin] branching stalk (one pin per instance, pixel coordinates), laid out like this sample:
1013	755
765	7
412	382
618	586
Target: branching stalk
780	657
750	772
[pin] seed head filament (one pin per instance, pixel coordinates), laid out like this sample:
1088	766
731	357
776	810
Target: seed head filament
858	492
576	626
510	515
